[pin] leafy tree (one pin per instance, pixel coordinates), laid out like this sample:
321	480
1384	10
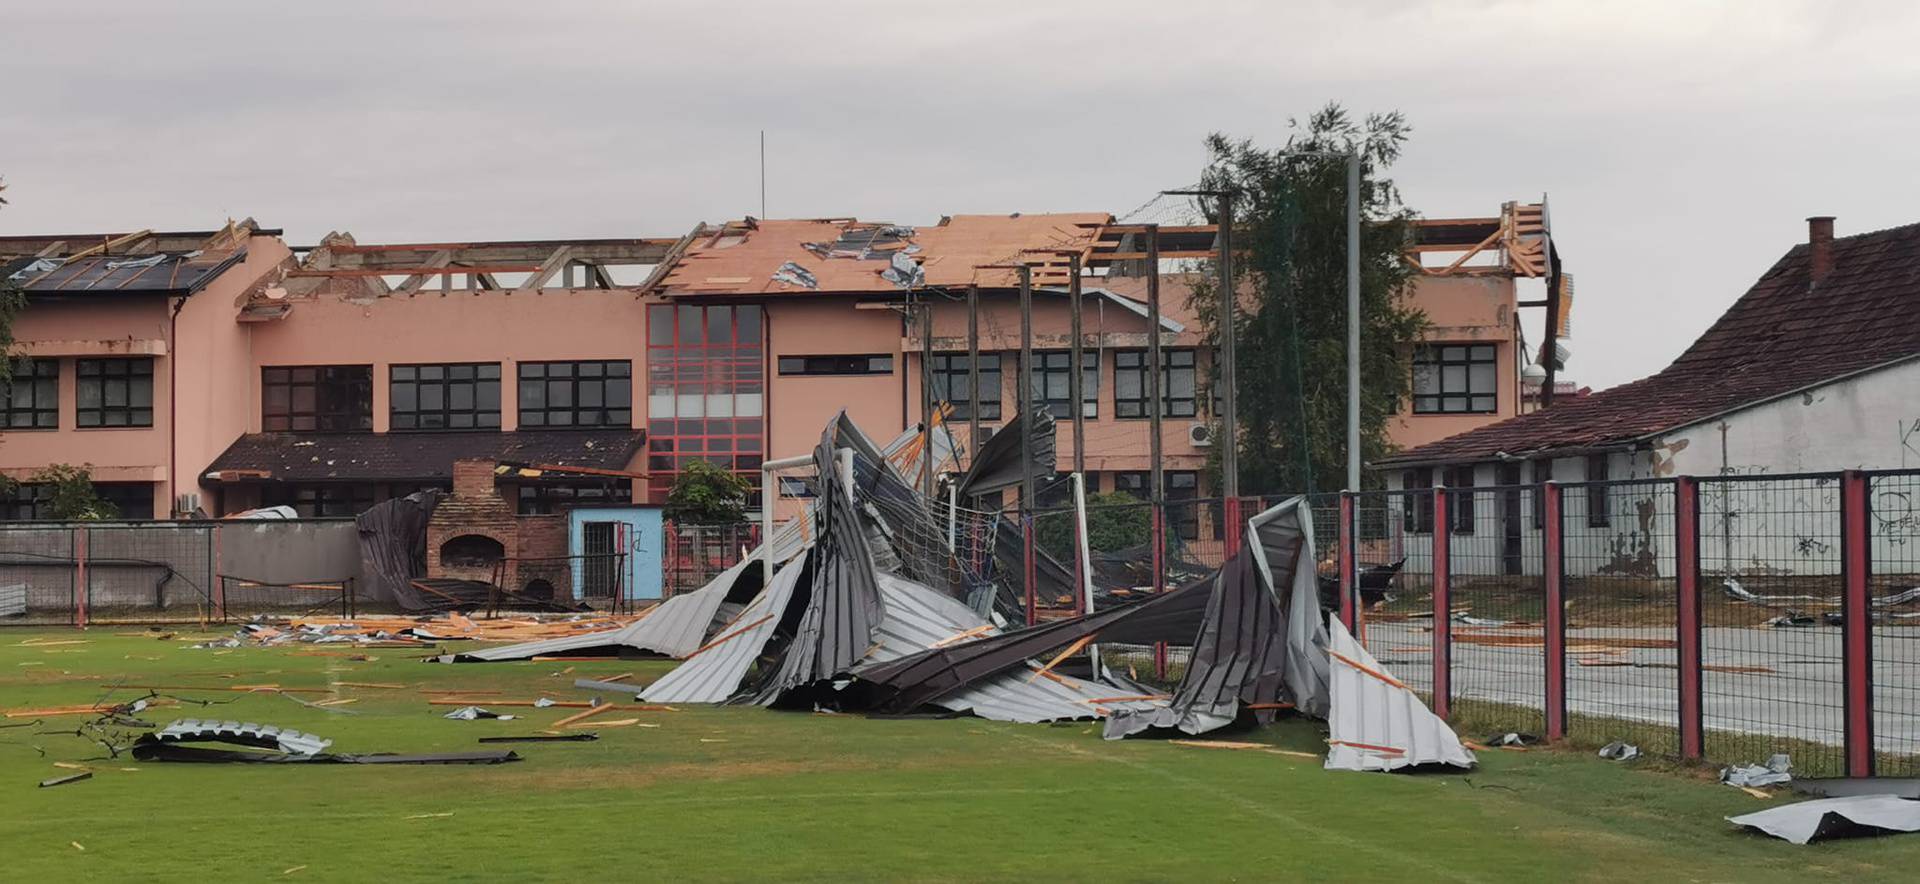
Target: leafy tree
11	302
1290	266
705	494
73	496
1115	521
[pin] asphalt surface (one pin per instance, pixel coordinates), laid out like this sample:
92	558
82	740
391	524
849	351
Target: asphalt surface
1799	696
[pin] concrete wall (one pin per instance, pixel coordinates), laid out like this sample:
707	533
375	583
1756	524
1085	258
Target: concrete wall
319	551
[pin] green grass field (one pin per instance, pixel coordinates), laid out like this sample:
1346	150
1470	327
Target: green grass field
752	794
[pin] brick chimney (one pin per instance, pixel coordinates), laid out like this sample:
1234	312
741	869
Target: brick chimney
473	478
1820	244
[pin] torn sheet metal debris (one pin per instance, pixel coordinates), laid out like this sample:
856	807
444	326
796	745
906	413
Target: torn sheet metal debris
794	274
471	713
1835	818
261	736
713	672
1377	722
676	628
1776	771
1619	751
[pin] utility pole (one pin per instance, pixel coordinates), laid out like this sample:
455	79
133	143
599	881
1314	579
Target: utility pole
1353	320
1026	392
1076	379
1156	488
973	373
1230	416
926	395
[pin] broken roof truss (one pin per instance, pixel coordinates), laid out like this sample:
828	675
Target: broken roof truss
341	265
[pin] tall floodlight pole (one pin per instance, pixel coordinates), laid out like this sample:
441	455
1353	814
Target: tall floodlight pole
1353	320
1076	379
1156	486
973	374
1025	392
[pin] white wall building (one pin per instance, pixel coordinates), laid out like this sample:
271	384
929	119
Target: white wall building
1815	369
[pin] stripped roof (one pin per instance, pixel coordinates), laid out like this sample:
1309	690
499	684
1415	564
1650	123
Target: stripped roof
143	262
1783	335
370	457
849	256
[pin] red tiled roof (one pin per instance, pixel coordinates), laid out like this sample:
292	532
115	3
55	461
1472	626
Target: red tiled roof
1779	337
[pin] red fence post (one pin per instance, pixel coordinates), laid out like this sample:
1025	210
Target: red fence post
220	583
1230	532
1856	611
1027	565
1442	606
1686	572
1553	569
1348	556
80	590
1159	580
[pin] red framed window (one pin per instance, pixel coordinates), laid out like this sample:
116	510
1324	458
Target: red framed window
706	390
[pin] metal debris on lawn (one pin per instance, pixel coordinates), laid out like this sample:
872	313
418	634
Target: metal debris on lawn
409	632
1619	751
281	746
1860	815
470	713
1775	772
69	778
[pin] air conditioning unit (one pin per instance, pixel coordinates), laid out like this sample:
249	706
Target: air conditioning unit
186	503
1200	435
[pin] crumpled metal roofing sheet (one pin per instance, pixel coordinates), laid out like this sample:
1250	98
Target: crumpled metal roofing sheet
712	674
917	617
265	736
676	628
1376	721
1835	817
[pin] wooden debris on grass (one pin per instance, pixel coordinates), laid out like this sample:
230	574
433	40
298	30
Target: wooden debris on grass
556	704
591	711
340	701
1244	746
371	684
618	722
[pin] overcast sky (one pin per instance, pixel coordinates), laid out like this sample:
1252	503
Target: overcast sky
1681	143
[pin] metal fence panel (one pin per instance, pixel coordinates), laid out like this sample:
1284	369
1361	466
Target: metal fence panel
1498	595
1770	563
1622	609
1894	522
37	568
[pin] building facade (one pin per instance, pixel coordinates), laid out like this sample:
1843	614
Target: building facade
1814	369
215	372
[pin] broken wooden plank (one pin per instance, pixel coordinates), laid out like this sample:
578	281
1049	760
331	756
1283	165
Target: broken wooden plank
591	711
1062	656
618	722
